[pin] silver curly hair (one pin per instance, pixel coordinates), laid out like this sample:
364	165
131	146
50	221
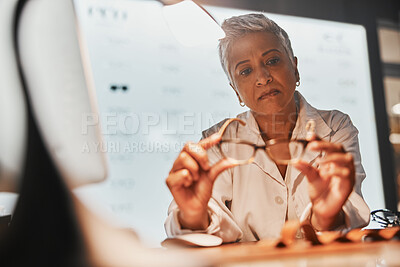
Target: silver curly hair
238	26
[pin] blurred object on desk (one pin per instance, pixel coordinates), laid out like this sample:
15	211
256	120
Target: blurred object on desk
386	218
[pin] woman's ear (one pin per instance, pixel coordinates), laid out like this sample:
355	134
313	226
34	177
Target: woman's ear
296	71
233	87
241	103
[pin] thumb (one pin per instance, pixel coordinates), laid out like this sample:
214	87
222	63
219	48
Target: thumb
219	167
312	137
311	173
210	141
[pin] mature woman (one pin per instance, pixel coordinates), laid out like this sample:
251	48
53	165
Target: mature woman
215	195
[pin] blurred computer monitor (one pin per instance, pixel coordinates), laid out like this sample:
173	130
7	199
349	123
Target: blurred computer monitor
12	113
60	90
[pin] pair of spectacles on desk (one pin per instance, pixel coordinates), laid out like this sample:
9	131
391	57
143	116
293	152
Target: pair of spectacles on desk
386	218
281	151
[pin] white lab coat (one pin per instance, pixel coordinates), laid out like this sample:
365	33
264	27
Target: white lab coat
252	202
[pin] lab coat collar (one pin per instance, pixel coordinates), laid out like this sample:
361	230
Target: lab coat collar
306	113
251	131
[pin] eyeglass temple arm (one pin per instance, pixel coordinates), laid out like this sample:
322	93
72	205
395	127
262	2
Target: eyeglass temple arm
310	128
225	125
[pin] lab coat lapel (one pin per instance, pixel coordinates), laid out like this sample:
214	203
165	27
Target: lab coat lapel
268	166
307	112
251	133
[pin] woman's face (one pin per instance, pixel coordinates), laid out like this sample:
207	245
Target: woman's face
262	74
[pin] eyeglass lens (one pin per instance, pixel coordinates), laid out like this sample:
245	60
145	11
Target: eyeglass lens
386	218
237	151
283	152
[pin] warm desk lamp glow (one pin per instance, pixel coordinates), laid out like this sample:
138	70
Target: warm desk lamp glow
191	24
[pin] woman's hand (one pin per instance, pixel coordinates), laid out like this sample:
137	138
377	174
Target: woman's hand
191	180
329	185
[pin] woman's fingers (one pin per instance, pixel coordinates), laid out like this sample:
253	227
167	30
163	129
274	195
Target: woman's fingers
311	172
185	161
191	157
210	141
312	137
325	146
339	167
335	162
184	176
219	167
196	151
186	168
337	158
331	169
178	179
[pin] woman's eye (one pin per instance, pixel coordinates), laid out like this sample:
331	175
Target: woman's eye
272	61
245	71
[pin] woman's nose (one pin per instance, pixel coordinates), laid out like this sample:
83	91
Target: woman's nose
263	77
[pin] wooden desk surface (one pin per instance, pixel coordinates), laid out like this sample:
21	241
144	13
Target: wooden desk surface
382	253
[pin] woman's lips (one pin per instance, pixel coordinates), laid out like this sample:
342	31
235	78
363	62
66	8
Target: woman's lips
268	94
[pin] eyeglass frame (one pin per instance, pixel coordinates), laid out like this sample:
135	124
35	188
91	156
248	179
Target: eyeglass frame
384	221
310	127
